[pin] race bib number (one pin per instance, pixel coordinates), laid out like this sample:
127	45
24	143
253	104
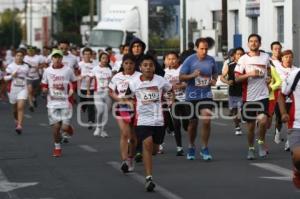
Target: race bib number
57	94
103	82
149	95
19	82
202	81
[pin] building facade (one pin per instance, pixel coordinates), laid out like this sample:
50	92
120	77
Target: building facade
274	20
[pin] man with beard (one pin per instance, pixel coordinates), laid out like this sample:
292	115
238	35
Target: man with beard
253	71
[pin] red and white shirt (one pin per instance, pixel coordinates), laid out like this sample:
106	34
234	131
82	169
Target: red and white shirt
34	62
172	75
119	83
102	77
283	71
85	71
20	81
254	88
294	111
148	96
70	61
58	81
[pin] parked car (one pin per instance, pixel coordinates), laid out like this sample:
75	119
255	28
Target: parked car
220	91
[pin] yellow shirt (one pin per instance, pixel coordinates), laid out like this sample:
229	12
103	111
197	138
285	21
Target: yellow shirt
275	83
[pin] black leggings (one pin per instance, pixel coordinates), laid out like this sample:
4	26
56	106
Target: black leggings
173	121
89	107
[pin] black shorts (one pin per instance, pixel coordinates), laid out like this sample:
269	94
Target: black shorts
251	110
207	103
157	133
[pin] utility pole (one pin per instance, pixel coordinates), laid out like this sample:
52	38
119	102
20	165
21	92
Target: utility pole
13	25
224	43
184	24
52	20
92	11
30	26
99	9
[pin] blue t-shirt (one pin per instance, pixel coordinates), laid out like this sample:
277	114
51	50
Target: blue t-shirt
199	88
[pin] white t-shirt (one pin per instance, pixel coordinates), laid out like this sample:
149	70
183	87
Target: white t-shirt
294	111
172	75
102	77
57	81
148	95
85	70
34	62
18	83
282	71
119	83
254	89
70	61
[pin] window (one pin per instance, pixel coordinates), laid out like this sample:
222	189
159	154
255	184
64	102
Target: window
254	25
217	19
104	38
280	24
236	22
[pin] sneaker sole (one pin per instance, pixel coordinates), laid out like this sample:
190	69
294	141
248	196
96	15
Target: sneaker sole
19	131
190	158
125	168
150	187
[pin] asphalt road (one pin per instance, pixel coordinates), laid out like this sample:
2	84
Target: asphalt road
89	167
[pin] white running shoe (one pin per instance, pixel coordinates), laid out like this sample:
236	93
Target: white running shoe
103	134
130	163
277	138
97	132
238	131
287	146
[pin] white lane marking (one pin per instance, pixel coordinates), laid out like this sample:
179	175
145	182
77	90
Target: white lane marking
159	189
88	148
8	187
43	124
285	174
219	123
27	116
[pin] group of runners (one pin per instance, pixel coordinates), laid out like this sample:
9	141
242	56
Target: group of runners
147	99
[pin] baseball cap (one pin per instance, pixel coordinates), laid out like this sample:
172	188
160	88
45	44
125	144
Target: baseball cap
56	52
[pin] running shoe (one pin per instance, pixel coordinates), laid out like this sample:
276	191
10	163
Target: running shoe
238	131
90	127
19	129
261	149
124	167
103	134
130	163
205	154
296	178
287	146
160	149
251	153
149	184
277	137
97	132
65	138
138	157
56	153
180	151
191	153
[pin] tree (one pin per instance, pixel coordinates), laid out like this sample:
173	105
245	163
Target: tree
10	29
70	13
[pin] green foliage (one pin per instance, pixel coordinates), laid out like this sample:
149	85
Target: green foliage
10	26
70	13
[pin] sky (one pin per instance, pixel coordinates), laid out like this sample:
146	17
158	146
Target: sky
4	4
